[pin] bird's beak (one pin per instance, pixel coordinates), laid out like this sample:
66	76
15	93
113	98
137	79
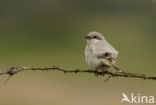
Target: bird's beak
87	37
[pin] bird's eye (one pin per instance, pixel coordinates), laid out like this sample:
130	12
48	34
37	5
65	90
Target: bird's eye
94	36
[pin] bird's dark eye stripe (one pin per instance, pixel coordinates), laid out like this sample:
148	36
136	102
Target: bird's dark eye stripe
95	37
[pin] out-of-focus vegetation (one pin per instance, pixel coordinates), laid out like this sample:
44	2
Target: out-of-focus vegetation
51	32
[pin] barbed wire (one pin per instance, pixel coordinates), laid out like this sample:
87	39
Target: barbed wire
15	70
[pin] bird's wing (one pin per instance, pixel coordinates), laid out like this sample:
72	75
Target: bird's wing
105	50
111	49
105	55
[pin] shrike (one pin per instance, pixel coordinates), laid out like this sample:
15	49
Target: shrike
99	53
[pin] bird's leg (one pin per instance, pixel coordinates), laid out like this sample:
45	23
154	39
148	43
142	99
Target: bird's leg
96	72
99	70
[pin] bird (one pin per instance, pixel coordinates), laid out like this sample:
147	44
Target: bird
99	52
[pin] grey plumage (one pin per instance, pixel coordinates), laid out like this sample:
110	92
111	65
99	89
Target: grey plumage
98	51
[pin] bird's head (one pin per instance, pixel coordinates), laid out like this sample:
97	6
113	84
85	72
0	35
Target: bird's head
94	37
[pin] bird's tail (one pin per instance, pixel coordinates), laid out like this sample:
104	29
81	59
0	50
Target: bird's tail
116	68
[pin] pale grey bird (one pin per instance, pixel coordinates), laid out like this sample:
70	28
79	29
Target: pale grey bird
99	53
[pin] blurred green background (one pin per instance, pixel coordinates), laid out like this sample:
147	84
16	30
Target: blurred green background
42	33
